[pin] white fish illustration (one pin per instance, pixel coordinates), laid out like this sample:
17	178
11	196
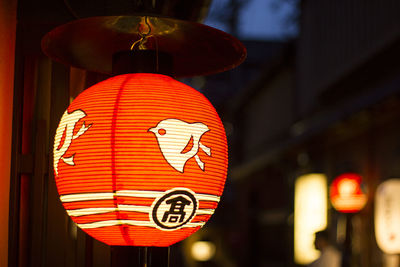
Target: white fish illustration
66	128
174	135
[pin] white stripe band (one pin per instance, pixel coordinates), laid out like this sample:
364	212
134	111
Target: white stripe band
130	222
144	209
204	212
204	197
89	211
156	194
86	196
140	193
128	193
135	208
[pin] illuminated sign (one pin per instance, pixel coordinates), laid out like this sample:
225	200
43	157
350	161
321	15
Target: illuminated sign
310	215
347	193
387	216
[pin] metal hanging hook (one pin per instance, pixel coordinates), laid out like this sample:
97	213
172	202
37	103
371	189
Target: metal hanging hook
143	35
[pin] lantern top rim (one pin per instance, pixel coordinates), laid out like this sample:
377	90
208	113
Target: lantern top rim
196	49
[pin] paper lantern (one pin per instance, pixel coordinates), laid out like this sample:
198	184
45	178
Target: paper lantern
387	216
347	193
310	214
140	160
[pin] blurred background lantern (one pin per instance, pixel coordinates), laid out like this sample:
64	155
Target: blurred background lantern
347	193
203	250
310	214
140	160
387	216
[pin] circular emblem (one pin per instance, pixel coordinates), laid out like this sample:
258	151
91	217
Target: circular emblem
174	209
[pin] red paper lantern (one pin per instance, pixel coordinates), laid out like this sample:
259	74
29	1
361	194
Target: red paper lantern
140	160
347	193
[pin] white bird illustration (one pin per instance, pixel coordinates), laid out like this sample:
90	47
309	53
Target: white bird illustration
66	128
174	135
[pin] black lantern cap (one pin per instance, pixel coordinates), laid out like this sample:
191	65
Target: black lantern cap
142	61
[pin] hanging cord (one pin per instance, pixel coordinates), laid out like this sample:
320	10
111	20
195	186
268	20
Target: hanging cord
70	9
139	44
156	41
